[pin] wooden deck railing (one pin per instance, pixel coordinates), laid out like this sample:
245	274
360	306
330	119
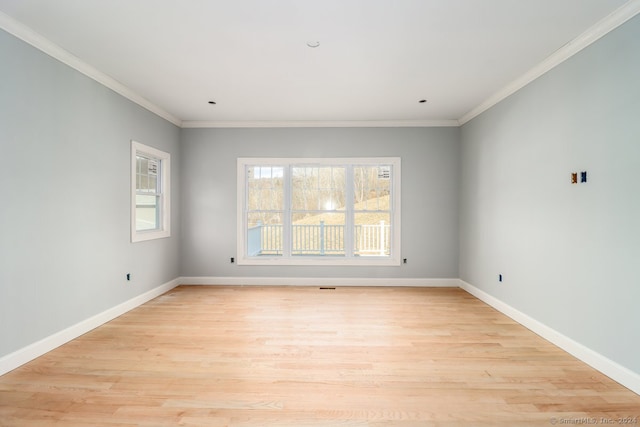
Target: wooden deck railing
321	239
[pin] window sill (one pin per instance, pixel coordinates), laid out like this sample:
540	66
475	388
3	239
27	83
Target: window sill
141	236
333	261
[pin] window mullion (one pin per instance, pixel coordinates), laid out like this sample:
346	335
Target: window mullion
348	211
286	215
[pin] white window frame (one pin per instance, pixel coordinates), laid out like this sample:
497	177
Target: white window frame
164	202
394	259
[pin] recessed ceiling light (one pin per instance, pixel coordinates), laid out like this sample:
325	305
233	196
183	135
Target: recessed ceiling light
212	102
422	101
313	43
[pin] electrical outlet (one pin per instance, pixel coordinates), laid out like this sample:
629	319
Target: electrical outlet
404	260
232	259
499	277
128	277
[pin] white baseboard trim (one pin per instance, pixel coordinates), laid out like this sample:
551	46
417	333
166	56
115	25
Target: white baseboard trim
37	349
319	281
608	367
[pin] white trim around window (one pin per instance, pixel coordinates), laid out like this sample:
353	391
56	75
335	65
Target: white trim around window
150	195
287	211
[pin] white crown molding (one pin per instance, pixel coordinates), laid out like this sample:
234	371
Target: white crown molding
36	40
603	27
320	124
613	370
320	281
45	345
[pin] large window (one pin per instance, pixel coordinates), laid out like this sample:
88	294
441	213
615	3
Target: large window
340	211
150	203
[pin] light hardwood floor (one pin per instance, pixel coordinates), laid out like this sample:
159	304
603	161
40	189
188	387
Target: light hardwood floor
302	356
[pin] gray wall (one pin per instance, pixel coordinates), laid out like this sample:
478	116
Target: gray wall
65	197
569	253
429	195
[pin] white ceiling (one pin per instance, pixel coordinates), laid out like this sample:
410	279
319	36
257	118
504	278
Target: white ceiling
376	59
